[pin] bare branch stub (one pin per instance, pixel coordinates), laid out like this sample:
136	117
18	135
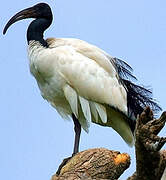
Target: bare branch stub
96	164
150	162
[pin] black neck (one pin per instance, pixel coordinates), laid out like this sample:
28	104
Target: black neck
36	30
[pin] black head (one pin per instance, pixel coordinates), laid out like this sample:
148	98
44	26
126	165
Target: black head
41	10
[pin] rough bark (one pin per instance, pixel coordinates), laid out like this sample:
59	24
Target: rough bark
150	161
100	163
96	164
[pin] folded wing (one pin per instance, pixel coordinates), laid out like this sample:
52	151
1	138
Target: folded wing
93	89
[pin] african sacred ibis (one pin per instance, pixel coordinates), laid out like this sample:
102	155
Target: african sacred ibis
82	81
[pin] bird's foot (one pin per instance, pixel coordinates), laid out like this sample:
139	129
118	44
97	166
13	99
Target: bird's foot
64	162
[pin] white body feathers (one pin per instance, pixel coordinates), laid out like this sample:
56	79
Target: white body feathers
76	77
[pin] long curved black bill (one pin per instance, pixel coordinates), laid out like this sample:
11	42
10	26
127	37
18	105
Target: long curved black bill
26	13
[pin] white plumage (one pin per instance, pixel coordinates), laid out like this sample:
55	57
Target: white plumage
77	77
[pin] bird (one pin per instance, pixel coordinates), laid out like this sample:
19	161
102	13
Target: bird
81	81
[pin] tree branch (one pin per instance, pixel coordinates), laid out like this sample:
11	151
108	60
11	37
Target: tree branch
150	161
97	163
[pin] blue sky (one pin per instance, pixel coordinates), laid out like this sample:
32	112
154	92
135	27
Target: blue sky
34	139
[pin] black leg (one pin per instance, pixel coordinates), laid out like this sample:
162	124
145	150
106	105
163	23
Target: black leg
77	129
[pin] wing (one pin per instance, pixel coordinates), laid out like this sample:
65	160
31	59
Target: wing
89	71
92	86
94	53
89	79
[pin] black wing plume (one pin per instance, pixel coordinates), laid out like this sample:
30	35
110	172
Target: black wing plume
138	97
